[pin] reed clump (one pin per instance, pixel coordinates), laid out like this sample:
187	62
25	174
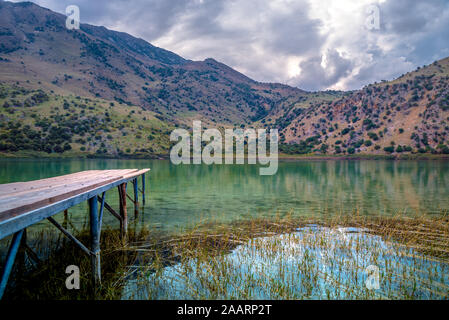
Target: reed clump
264	258
294	258
45	279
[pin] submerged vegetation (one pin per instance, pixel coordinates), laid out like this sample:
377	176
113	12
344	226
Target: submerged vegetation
270	258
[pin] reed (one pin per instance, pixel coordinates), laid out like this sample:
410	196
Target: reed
45	280
266	258
291	258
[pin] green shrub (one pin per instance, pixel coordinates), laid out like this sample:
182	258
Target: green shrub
345	131
389	149
373	136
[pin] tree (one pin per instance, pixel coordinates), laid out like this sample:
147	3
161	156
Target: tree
389	149
324	148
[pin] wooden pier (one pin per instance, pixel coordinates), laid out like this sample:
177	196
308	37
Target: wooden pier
23	204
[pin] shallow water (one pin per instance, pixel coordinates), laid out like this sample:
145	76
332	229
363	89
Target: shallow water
312	263
181	195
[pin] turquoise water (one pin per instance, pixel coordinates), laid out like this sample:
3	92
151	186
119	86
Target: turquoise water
181	195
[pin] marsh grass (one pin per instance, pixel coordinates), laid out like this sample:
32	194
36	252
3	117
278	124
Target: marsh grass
45	280
266	258
290	258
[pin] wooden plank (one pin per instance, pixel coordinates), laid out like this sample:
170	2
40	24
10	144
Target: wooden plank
70	176
15	222
17	186
51	189
18	222
30	191
29	186
135	174
18	207
19	203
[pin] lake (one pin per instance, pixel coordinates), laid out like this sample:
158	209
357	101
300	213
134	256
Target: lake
178	196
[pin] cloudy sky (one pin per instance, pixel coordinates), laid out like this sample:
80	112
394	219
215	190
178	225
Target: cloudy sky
314	45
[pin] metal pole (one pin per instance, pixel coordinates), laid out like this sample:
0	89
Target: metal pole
21	253
95	240
111	210
65	223
100	219
143	189
122	224
69	235
123	212
136	198
13	248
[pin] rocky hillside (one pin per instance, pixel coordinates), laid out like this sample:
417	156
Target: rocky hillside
38	52
102	92
409	114
36	123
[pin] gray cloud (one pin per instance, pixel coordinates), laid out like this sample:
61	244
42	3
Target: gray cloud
314	75
413	33
408	17
310	44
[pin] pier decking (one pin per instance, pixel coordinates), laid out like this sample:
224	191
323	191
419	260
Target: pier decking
23	204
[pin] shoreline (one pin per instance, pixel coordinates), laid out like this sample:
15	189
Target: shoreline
365	157
281	157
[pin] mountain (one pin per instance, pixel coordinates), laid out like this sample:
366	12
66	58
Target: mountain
39	52
409	114
97	91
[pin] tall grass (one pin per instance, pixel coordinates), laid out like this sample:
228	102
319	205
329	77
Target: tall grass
299	259
270	258
45	280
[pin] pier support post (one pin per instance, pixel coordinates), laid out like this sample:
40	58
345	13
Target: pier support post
143	189
136	198
95	241
65	224
123	212
9	263
21	254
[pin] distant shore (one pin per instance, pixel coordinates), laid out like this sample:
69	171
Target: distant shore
421	156
282	157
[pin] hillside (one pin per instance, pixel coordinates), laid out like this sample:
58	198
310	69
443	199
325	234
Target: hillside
409	114
40	53
33	122
99	92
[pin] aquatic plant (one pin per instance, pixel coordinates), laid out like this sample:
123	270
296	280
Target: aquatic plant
267	258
